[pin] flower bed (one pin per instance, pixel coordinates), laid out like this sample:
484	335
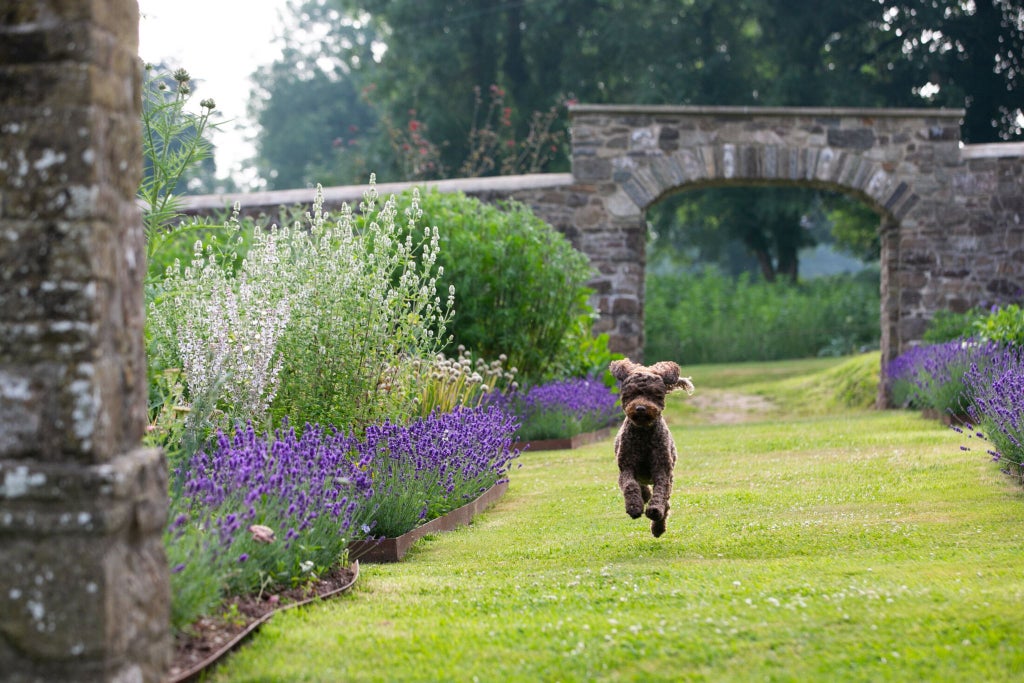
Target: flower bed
561	410
931	377
258	511
975	387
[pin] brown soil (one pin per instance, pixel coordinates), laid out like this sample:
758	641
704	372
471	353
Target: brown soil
205	641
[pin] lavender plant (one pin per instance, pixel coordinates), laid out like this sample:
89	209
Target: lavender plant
253	509
996	385
432	466
561	409
933	376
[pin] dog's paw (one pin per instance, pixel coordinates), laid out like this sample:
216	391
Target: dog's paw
658	528
655	513
634	508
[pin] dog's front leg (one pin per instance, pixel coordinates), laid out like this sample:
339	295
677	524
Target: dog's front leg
657	508
631	492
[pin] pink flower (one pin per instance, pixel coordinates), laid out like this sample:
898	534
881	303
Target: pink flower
261	534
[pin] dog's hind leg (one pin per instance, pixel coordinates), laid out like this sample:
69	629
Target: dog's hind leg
645	493
632	492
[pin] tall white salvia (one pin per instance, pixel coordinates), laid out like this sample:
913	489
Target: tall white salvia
223	330
369	300
316	324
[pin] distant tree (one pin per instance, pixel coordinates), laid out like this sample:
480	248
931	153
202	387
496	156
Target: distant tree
315	125
376	85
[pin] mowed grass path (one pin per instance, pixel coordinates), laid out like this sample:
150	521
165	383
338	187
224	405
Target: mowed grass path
860	546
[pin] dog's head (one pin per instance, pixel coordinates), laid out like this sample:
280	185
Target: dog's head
644	388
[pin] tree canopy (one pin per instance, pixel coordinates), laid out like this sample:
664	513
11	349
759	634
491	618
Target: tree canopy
420	88
356	71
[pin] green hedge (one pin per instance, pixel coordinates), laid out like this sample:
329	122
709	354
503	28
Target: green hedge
708	317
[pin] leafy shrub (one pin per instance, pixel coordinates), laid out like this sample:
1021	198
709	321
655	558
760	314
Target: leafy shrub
998	323
1002	324
561	409
520	287
946	326
708	317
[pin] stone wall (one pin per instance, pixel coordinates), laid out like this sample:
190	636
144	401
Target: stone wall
949	215
84	591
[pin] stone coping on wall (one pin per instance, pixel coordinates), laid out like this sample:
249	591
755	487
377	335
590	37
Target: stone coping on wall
706	110
993	150
352	194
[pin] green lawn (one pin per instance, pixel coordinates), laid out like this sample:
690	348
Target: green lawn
853	546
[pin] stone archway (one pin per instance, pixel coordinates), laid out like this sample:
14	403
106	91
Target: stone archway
950	217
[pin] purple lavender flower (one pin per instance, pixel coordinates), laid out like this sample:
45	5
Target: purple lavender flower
996	385
303	484
561	409
933	376
326	487
435	464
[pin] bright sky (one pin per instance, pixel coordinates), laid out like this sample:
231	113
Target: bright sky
220	43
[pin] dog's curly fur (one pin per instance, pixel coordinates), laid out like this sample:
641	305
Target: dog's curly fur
644	448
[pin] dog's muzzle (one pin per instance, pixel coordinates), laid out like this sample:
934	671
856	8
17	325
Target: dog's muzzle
642	414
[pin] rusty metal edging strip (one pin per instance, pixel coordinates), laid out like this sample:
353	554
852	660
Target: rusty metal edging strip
193	673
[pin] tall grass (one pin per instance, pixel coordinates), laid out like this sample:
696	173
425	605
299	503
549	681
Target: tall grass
709	317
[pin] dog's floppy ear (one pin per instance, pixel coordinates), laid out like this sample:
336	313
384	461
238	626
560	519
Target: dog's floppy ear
669	373
621	369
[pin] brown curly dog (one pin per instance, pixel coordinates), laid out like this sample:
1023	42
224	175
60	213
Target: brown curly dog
643	447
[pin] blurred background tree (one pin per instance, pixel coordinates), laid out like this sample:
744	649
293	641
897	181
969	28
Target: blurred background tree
416	89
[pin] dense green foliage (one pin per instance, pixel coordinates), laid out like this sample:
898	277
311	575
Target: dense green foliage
414	89
762	229
708	317
1004	325
355	70
520	286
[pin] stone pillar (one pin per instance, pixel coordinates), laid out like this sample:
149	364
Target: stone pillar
889	234
84	592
